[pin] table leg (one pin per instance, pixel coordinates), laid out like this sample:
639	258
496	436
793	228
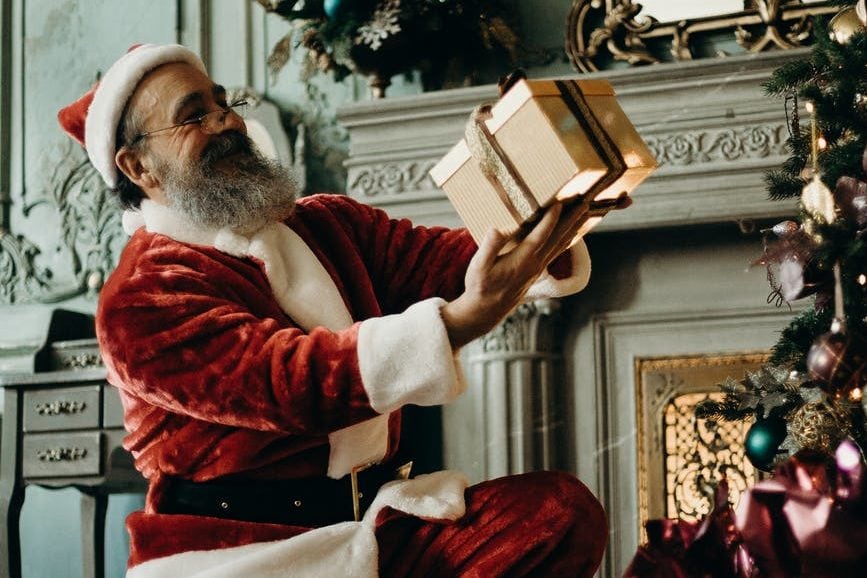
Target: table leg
11	500
11	491
93	509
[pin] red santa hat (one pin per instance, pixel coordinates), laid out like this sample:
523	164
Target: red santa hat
92	119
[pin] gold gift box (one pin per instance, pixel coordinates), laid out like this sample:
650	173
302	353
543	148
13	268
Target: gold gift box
560	140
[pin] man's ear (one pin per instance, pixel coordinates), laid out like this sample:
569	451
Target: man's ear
130	163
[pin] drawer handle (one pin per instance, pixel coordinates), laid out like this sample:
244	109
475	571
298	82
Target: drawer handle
61	454
60	407
83	361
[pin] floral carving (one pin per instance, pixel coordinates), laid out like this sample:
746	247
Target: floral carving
391	179
20	276
620	33
727	145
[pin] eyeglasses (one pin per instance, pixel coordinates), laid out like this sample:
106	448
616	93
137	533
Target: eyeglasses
209	122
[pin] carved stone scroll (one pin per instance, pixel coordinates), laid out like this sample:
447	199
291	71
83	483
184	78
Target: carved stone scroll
90	238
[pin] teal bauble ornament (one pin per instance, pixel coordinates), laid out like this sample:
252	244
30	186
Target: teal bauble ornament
331	7
763	441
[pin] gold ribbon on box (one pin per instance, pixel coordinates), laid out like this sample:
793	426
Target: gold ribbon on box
497	167
599	137
506	179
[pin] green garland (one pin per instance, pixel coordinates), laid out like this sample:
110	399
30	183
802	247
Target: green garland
447	40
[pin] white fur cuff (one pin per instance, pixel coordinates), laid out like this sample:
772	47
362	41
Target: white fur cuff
547	286
436	496
408	359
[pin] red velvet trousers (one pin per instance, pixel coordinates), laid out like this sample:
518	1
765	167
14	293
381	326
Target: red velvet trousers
538	524
545	524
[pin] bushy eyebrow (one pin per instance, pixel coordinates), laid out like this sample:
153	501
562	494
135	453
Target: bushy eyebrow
195	98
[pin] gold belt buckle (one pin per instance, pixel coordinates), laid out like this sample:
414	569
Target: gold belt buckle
353	476
401	473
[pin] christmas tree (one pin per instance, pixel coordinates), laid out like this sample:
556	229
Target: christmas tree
811	393
808	403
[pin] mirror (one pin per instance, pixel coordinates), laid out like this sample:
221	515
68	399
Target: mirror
600	33
677	10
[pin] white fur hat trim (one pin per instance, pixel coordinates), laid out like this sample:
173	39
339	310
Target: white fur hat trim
115	89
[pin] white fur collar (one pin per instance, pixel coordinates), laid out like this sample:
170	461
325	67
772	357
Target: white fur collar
301	285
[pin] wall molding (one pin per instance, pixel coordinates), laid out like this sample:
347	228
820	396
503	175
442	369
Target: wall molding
513	407
5	112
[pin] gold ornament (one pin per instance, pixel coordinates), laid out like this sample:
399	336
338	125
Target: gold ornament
819	425
818	200
846	24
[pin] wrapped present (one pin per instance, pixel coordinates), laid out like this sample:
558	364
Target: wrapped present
543	141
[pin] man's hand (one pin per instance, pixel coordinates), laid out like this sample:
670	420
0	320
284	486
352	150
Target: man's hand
495	284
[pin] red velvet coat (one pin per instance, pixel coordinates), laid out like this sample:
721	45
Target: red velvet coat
216	379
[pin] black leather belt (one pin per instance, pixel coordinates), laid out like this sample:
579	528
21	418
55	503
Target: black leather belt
308	502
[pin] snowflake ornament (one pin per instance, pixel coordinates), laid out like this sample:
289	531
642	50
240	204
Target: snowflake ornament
382	24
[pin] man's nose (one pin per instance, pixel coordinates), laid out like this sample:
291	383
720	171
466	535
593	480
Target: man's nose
234	121
226	120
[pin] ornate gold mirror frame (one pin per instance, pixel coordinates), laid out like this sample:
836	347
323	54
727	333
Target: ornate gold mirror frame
601	29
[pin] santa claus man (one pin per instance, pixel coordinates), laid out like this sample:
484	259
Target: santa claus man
264	348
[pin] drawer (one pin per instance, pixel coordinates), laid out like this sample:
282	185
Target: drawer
75	354
64	408
112	408
61	454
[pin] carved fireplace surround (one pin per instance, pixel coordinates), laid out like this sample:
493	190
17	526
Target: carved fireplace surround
573	384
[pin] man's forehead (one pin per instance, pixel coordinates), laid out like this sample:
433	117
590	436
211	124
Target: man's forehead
168	84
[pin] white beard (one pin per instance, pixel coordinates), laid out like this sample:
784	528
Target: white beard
242	193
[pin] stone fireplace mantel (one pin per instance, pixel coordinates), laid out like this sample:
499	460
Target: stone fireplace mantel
709	122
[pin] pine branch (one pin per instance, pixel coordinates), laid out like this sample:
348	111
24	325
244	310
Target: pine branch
788	77
796	339
783	185
726	410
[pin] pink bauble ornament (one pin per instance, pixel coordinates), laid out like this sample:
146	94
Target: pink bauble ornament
850	195
836	361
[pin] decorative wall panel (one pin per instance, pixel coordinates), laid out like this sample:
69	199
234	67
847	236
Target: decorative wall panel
59	230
